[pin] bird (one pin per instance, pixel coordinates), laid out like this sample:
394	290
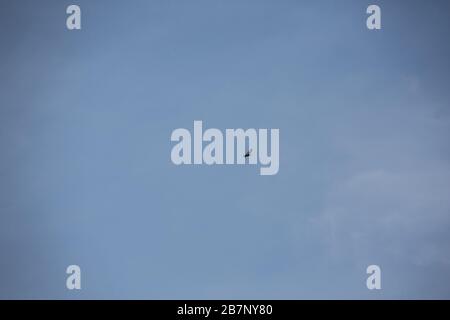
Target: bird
247	154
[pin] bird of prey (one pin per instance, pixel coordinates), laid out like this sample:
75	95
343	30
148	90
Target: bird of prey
247	154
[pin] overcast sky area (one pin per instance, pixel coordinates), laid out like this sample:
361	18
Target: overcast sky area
86	176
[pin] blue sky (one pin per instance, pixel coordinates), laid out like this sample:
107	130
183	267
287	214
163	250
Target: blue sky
85	170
